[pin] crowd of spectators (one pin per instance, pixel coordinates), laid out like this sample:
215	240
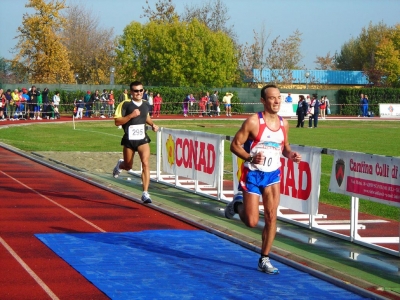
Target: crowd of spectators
34	104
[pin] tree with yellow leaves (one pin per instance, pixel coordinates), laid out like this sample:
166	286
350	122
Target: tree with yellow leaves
40	47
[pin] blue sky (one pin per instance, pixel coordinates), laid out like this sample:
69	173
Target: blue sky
325	24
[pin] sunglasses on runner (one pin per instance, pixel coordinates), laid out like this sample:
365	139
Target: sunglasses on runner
138	91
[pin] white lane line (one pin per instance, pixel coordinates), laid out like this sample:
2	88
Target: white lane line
20	261
29	270
55	203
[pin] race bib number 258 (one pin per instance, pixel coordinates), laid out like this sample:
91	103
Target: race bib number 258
136	132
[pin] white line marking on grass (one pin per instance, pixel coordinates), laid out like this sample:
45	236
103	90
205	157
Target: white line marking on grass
28	269
55	203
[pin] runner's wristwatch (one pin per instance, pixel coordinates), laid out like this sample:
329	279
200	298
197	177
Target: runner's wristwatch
250	159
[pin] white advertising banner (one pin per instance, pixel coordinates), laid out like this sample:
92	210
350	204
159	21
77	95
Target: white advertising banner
288	109
192	154
299	182
389	110
371	177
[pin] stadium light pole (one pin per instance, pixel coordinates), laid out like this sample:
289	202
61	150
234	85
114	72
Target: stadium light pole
112	71
307	75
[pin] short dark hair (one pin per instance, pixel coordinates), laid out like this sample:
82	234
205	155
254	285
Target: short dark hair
267	87
134	83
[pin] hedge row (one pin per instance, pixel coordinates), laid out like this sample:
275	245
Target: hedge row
349	99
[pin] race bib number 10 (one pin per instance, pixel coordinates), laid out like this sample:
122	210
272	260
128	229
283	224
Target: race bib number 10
136	132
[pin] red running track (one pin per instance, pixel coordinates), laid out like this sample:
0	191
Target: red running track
38	199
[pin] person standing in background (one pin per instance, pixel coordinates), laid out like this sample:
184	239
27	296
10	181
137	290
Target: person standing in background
364	103
46	102
214	104
38	106
289	99
32	102
103	103
322	107
123	96
314	107
2	104
56	100
202	105
13	104
360	105
146	95
157	104
151	103
328	106
186	102
110	104
88	105
80	104
8	97
227	102
302	107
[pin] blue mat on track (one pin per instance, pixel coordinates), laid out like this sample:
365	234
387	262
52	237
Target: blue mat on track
181	264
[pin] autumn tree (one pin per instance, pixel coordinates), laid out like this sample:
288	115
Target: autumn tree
40	47
283	57
388	62
214	14
326	62
91	48
180	54
253	56
360	52
164	11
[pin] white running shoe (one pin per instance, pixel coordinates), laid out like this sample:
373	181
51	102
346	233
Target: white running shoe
230	207
117	170
146	198
264	265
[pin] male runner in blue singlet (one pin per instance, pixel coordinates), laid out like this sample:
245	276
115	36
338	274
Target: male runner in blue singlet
133	116
260	142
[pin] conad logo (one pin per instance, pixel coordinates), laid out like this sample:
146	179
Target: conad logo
292	186
200	155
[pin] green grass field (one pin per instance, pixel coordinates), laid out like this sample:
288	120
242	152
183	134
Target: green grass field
374	137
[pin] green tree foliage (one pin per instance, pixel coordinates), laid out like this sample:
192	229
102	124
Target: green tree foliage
176	54
359	53
388	62
376	52
40	48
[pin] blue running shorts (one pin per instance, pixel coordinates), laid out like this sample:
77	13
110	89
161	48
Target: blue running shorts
255	181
